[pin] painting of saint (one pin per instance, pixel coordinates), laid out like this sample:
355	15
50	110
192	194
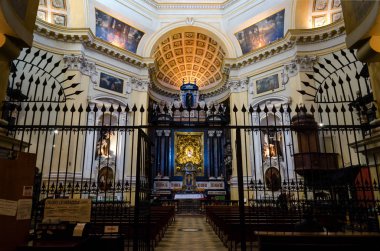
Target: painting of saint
262	33
267	84
272	179
111	83
116	32
105	178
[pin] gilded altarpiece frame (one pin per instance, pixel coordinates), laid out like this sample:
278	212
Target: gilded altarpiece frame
188	148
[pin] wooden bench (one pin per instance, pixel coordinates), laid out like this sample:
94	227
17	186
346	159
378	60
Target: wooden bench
316	241
225	220
123	217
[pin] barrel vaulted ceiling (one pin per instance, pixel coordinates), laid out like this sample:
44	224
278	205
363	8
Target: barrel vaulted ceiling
188	56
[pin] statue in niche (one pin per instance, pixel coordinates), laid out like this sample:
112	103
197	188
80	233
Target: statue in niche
269	150
272	146
189	179
189	100
103	144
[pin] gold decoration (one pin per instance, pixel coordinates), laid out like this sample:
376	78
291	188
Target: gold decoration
188	48
189	149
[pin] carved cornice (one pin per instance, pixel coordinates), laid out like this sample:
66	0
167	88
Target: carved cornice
61	33
83	65
219	5
317	35
89	40
154	88
223	89
292	38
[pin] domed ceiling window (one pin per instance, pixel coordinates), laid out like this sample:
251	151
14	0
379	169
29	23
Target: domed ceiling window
190	56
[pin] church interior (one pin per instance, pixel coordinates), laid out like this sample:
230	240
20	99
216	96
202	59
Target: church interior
189	124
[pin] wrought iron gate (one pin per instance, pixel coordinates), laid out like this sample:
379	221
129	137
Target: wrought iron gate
287	159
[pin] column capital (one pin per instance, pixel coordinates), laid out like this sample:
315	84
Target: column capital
141	85
83	65
238	85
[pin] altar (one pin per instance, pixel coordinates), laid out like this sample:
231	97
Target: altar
189	196
189	203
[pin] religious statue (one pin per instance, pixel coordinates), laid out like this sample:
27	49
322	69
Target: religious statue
189	172
103	144
189	100
269	150
189	179
272	145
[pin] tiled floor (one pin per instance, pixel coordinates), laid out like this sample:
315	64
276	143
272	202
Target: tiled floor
190	233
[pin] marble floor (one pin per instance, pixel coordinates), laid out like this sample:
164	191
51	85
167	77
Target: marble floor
190	233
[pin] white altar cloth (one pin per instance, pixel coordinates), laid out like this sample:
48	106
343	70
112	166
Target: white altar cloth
188	196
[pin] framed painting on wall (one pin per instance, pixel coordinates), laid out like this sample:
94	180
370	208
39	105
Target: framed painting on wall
262	33
111	83
266	84
116	32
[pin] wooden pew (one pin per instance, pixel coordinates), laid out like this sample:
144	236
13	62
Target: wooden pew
316	241
225	221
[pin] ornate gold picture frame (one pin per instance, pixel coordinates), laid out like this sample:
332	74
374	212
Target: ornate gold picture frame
188	148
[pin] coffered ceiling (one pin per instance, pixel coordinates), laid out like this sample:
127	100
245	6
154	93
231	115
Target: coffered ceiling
173	4
189	56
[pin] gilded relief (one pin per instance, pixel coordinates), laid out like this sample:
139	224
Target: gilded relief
189	149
